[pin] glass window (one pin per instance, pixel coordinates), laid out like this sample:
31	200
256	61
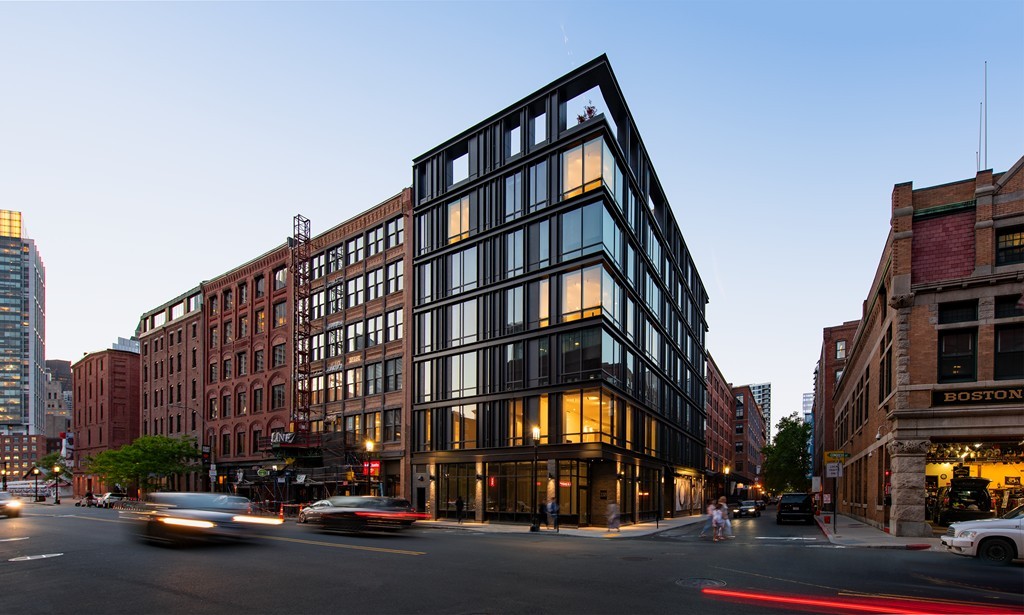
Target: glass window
957	355
462	322
374	379
458	220
537	178
261	320
374	330
582	168
258	361
539	248
1010	245
393	323
280	278
841	349
355	336
514	257
396	232
355	294
278	358
354	250
958	311
1009	359
280	314
353	383
581	293
374	284
277	396
458	168
396	276
582	231
243	326
243	293
513	196
462	271
1009	306
514	310
375	241
462	370
514	373
261	286
581	355
393	375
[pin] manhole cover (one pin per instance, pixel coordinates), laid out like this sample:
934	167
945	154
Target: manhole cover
636	559
700	583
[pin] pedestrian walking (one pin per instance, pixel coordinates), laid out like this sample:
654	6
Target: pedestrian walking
726	523
710	511
717	524
613	517
460	504
553	513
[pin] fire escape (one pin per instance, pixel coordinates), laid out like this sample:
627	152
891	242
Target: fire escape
300	441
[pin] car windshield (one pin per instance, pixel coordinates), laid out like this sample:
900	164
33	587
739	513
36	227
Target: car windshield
748	503
1016	513
793	498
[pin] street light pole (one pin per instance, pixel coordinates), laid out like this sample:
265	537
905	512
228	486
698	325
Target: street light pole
535	522
35	472
56	484
369	465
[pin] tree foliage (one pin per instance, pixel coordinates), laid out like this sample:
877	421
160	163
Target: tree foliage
146	461
47	462
787	462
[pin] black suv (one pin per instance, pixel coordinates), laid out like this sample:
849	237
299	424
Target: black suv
795	507
965	499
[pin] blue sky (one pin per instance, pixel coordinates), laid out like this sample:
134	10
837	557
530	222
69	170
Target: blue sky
154	145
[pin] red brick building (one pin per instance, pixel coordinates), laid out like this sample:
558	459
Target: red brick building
835	347
247	324
718	431
934	376
171	352
106	410
748	437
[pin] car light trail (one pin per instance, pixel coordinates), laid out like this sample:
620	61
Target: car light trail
259	520
187	522
901	606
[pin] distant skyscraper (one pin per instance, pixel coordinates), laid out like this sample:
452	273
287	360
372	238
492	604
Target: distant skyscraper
22	330
763	396
808	407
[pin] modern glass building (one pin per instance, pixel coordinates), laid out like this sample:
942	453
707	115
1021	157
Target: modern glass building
559	322
22	330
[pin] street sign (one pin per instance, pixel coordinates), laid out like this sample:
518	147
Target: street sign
262	472
836	455
833	470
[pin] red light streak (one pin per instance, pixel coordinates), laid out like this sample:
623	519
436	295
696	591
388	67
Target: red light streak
900	606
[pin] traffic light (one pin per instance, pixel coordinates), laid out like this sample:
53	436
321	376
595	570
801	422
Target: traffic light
206	456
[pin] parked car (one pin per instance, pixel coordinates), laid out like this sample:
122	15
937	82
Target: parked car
88	500
10	506
311	513
179	517
107	500
795	507
965	499
761	504
368	513
748	508
998	540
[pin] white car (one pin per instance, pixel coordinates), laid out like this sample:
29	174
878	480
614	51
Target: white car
999	540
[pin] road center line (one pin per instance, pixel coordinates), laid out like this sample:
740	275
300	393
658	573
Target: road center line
343	546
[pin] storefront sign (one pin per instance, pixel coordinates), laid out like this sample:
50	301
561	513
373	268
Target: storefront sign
1012	480
1004	395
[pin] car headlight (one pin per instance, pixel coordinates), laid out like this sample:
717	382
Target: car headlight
187	522
259	520
14	504
968	534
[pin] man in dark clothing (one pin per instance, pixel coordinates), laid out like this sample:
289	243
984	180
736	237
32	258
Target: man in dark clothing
459	506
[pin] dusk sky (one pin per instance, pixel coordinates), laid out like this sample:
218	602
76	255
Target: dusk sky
151	146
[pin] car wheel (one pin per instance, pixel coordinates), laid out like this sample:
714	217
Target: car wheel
997	550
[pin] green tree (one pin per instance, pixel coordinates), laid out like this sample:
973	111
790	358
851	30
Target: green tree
787	461
146	461
47	462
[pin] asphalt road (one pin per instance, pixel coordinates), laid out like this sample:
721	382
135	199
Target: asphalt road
73	560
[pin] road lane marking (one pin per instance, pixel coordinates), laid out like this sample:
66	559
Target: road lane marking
343	546
784	538
13	539
31	557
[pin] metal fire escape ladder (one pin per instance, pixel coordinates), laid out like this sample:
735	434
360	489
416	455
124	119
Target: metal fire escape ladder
301	298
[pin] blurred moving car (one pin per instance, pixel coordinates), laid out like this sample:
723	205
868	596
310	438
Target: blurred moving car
107	500
998	540
795	507
10	506
177	517
965	499
748	508
312	512
368	513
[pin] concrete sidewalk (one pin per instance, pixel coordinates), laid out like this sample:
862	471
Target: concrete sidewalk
849	532
626	531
